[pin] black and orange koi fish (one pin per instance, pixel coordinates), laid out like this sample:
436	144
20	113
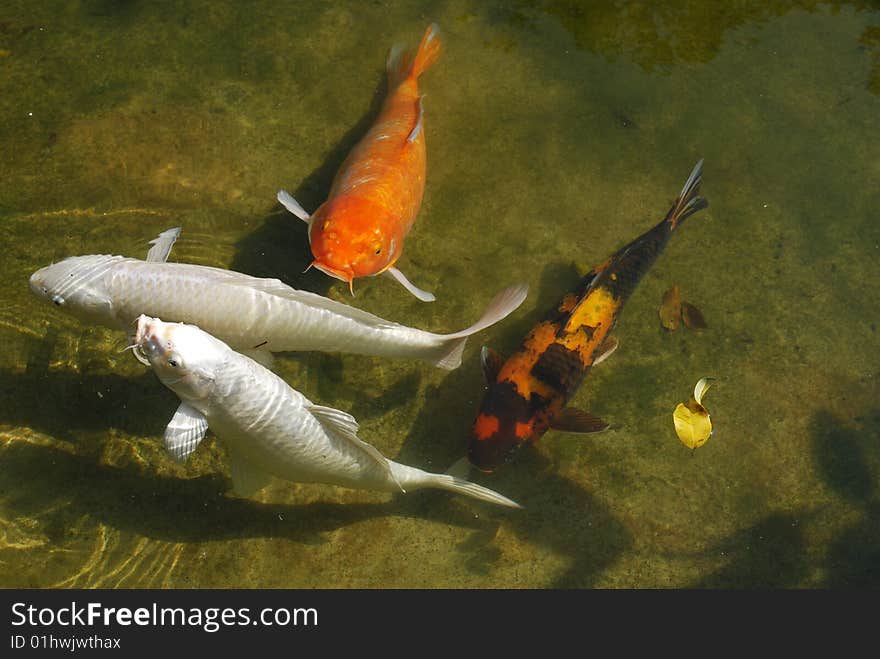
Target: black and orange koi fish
527	394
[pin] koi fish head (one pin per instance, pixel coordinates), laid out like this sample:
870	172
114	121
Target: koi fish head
348	239
184	357
488	452
503	425
76	285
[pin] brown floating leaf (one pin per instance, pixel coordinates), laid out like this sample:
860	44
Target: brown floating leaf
670	308
692	317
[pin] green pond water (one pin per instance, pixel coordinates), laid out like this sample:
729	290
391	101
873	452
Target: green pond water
557	131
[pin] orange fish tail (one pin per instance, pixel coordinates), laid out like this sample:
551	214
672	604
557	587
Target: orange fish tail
402	64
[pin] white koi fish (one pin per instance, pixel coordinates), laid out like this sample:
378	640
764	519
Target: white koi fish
253	315
270	428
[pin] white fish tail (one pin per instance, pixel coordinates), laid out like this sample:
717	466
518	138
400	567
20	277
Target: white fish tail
501	306
411	478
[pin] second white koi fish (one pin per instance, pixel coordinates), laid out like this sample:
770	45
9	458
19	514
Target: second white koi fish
270	428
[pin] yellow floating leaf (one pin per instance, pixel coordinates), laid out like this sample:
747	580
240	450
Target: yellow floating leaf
701	388
670	308
692	423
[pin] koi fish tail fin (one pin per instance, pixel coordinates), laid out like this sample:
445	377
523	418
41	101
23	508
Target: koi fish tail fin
411	478
402	64
450	358
461	486
428	52
688	202
501	306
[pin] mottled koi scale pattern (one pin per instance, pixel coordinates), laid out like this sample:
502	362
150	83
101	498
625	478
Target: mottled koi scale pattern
534	384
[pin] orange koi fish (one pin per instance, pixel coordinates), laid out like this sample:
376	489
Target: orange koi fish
376	194
527	394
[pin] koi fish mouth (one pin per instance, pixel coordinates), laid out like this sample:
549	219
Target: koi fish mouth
144	330
342	275
149	338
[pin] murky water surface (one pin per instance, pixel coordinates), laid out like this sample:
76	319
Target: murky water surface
557	131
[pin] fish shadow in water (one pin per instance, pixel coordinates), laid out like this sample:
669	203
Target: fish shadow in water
61	403
564	517
558	514
323	378
853	559
280	247
769	554
134	499
842	453
774	552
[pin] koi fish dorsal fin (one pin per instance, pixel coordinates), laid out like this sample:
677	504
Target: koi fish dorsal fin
344	426
491	361
401	64
161	245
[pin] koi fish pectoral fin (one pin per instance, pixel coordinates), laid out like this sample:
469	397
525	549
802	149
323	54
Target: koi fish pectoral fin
572	419
424	296
247	478
291	204
184	432
491	361
606	350
414	133
461	468
161	246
